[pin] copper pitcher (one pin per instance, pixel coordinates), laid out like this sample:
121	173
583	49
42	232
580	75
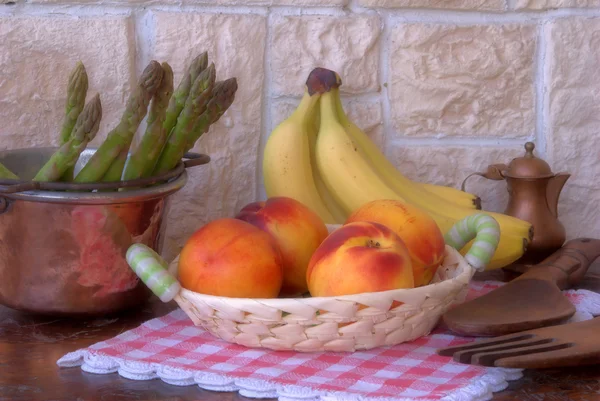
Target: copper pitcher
533	196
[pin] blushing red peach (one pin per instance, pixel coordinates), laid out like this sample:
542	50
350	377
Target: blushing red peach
418	230
357	258
296	229
229	257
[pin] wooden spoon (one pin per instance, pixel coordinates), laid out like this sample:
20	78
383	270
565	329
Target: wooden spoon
530	301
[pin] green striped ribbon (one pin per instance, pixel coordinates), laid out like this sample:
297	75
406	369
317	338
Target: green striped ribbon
153	271
486	232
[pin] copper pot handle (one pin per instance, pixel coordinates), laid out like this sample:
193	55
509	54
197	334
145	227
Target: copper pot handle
4	205
195	159
493	172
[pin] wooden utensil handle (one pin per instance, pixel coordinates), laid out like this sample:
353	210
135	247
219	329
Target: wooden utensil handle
567	266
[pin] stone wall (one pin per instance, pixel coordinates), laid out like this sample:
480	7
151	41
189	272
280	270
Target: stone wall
444	87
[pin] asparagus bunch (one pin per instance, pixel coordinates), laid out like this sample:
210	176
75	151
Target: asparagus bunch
186	114
177	118
84	130
116	145
195	105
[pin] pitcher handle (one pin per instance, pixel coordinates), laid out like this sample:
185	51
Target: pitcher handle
493	172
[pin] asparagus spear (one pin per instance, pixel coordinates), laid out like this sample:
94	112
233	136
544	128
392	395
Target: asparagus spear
115	170
5	173
177	102
76	92
119	139
66	156
143	159
223	97
195	105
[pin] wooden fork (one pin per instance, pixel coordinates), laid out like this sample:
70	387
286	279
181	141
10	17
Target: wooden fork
571	344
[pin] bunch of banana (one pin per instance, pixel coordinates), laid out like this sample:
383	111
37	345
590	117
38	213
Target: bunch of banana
288	162
320	158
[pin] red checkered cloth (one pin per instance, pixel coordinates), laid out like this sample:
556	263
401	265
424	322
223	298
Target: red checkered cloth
173	349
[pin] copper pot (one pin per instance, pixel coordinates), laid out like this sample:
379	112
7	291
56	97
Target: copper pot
62	245
533	191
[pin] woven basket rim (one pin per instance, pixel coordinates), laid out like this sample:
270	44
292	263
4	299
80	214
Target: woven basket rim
278	302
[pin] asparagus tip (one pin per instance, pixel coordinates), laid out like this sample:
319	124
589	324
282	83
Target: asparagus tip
203	59
205	80
211	69
152	76
91	116
198	64
78	75
166	67
167	80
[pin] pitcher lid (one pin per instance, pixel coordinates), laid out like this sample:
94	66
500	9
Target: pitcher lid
528	166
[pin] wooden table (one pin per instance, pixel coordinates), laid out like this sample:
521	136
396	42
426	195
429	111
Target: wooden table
30	347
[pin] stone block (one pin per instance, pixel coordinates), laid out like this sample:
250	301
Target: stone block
347	45
462	81
487	5
38	54
450	165
553	4
574	123
296	3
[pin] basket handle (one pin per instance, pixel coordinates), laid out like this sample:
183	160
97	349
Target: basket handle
151	268
486	232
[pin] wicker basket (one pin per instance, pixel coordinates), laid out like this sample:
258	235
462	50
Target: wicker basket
311	324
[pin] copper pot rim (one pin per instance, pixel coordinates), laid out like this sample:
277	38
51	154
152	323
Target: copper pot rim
96	192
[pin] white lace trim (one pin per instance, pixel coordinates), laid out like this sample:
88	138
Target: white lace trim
480	389
587	307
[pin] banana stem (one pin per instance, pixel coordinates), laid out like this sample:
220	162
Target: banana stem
321	80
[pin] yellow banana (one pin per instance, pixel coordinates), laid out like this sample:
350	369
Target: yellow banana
287	169
337	211
456	196
452	195
353	179
404	187
346	173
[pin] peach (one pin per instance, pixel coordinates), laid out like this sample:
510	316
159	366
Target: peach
418	230
231	258
359	257
296	229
